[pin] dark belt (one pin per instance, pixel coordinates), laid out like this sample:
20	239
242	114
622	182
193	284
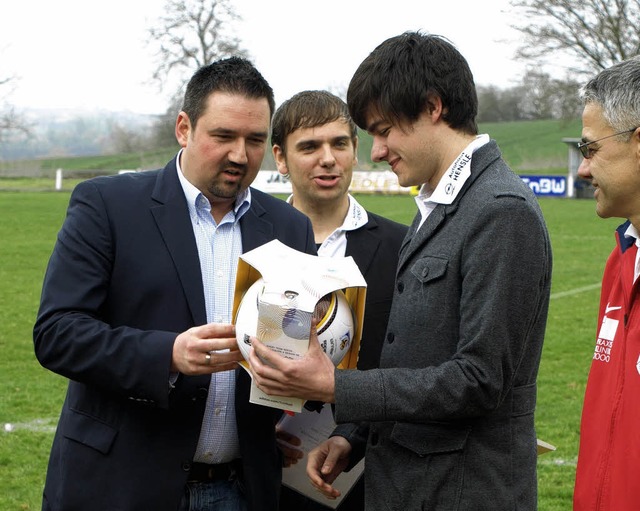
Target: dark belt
203	472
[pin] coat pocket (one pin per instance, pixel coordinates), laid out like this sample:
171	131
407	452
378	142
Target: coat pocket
425	439
89	431
429	268
423	467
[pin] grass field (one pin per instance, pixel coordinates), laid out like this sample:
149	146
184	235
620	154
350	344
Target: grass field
31	396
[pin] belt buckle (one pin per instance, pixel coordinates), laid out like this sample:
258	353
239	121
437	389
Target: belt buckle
221	471
229	471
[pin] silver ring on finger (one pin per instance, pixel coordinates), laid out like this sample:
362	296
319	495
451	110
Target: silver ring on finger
207	357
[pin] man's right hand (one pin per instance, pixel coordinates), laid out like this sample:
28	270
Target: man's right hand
326	462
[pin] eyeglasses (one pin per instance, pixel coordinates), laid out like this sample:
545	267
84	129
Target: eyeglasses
588	153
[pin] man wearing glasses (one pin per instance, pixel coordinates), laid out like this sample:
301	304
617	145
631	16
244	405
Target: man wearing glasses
609	455
588	150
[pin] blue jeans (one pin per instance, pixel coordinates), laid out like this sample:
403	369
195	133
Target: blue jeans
220	495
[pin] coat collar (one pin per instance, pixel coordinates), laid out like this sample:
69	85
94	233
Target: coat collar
483	157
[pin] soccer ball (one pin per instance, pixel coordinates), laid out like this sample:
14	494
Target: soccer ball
278	322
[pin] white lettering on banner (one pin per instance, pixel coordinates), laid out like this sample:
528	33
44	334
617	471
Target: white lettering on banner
546	185
377	181
385	181
276	177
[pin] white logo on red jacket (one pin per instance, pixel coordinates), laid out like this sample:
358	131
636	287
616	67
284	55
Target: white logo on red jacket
606	336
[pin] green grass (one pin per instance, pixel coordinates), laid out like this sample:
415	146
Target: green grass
31	396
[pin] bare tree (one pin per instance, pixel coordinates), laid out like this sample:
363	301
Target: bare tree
163	132
11	122
538	96
192	34
590	34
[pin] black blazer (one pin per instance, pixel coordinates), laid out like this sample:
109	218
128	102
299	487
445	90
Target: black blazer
123	280
375	248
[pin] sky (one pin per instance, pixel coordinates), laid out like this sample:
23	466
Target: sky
77	54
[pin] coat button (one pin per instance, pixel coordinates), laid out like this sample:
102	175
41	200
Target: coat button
203	392
425	272
390	337
186	466
400	287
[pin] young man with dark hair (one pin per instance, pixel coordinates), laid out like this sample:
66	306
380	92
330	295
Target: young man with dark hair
447	420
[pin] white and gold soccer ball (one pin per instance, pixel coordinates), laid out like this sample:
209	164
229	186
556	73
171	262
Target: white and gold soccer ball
277	321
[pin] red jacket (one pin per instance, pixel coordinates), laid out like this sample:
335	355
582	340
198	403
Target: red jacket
608	473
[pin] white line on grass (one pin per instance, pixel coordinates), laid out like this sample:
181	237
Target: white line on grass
36	425
575	291
543	460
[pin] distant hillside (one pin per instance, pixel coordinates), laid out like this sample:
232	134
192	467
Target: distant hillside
528	146
54	132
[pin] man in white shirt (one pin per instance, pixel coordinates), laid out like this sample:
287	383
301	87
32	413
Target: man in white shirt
315	144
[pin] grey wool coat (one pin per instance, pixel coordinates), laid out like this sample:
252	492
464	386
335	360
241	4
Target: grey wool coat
449	415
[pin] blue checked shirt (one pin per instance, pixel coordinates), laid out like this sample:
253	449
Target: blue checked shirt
219	247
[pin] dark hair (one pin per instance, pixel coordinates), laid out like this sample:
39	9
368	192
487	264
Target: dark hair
402	75
234	75
309	109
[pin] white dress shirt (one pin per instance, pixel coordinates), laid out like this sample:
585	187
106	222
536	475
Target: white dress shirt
219	247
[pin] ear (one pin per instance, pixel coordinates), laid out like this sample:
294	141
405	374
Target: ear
635	139
183	129
355	151
434	107
279	158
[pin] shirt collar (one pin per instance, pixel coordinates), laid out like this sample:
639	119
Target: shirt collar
451	183
454	178
356	215
632	232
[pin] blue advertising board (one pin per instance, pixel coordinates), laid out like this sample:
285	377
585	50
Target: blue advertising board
547	186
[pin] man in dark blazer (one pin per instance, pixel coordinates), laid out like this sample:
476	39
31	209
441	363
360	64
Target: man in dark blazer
135	312
315	145
450	411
